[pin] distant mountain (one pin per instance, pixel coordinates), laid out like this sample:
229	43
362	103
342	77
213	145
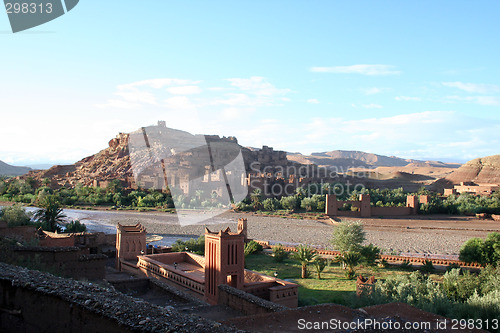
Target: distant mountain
347	159
11	170
484	170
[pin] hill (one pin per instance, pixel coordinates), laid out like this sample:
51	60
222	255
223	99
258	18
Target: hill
11	170
347	159
114	162
484	170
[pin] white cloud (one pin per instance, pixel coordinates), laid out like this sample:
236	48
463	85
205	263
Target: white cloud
156	83
184	90
358	69
372	106
407	98
137	96
375	90
481	100
439	134
178	102
313	101
474	87
257	85
241	92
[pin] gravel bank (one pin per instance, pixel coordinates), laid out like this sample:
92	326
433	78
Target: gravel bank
436	235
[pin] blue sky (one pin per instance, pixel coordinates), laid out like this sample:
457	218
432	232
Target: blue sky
414	79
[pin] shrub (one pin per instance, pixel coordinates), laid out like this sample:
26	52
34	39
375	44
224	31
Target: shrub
483	252
370	253
271	204
414	289
252	247
406	265
289	203
471	250
279	253
191	245
241	206
309	204
348	236
427	267
75	226
15	216
349	261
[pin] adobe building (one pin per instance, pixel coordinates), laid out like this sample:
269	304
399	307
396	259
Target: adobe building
223	264
130	242
472	188
363	207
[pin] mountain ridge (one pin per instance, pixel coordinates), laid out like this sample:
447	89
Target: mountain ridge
12	170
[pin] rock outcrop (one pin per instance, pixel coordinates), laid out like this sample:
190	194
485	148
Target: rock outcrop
108	164
484	170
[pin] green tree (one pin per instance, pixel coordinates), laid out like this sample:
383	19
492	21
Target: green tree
491	249
348	236
50	215
304	255
114	186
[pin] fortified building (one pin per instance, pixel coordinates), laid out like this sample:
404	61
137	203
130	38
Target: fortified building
223	264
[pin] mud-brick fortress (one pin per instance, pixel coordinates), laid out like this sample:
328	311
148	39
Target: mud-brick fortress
363	208
223	264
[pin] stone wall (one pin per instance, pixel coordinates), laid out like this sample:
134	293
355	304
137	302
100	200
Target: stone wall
73	306
364	208
67	261
244	302
25	233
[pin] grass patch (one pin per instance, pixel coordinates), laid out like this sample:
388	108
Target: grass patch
333	286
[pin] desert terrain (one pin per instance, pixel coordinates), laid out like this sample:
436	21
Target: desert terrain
440	234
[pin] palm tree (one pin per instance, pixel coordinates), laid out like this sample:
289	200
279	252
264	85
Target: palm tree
256	197
50	214
320	264
349	260
304	255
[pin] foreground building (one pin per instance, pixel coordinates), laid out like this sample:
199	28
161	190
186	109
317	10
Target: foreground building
223	264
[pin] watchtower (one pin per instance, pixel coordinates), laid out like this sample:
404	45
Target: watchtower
130	242
224	262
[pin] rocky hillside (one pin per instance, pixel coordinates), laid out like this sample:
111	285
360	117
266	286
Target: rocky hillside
485	170
110	163
11	170
114	162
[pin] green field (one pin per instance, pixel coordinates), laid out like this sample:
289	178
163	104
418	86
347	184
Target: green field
333	287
